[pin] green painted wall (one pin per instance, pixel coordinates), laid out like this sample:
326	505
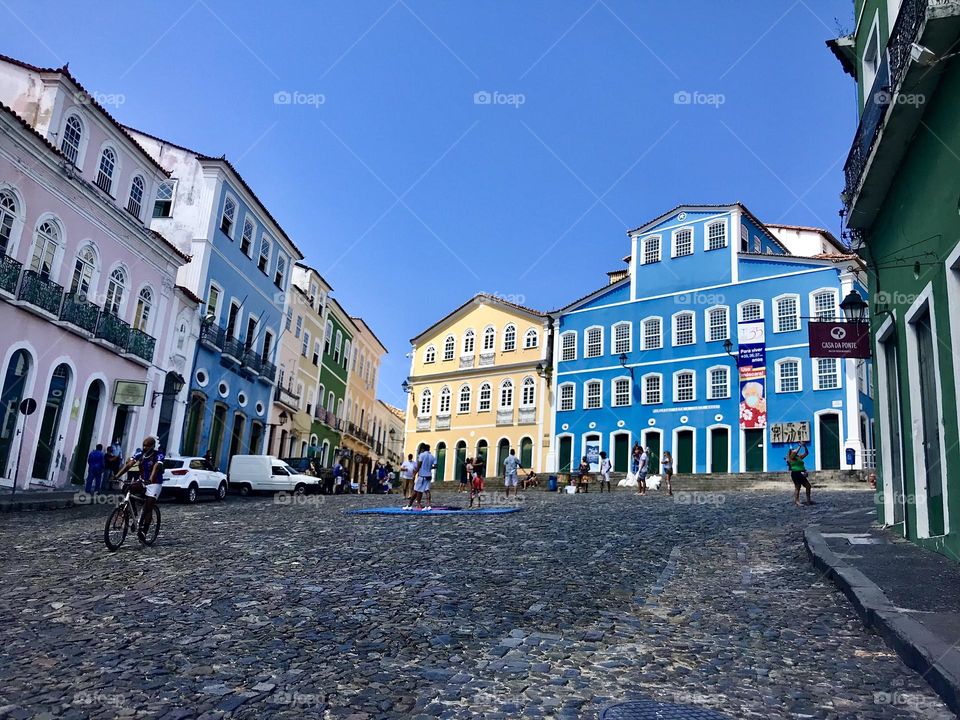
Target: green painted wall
333	377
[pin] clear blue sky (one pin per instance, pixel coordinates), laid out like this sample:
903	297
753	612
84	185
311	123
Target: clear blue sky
408	195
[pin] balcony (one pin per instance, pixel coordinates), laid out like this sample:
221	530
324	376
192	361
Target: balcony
466	361
286	397
487	359
141	345
268	371
112	329
80	313
233	350
423	424
505	417
251	361
443	422
9	274
39	292
895	103
527	416
212	336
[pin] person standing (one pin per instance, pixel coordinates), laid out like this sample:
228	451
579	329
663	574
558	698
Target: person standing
510	466
667	466
111	464
583	475
798	472
421	486
642	470
337	477
95	469
407	470
467	477
605	468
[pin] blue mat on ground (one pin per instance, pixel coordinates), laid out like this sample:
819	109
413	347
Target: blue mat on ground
440	510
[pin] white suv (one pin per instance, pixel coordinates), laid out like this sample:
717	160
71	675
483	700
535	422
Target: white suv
190	477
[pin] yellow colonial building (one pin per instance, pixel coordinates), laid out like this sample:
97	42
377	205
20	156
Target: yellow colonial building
479	386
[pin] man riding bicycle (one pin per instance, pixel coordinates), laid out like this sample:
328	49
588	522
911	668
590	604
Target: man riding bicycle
151	475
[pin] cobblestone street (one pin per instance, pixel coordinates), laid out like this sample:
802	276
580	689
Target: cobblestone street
251	608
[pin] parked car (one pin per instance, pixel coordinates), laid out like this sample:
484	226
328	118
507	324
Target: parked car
265	473
190	477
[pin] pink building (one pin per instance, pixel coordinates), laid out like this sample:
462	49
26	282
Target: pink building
92	324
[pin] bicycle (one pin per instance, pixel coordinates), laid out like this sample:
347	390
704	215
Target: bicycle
126	515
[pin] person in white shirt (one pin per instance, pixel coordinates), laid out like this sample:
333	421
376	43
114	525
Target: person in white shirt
605	467
407	470
421	486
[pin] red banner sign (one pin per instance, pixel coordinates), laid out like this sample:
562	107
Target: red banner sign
840	339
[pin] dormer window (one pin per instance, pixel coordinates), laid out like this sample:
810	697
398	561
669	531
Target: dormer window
651	250
163	206
716	235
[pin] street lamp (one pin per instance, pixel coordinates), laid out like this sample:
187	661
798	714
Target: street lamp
176	385
283	418
406	387
543	370
853	306
623	364
728	348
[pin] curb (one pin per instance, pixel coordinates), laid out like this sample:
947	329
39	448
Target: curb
937	661
36	505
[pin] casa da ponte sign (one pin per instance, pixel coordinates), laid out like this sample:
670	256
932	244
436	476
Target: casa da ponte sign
840	339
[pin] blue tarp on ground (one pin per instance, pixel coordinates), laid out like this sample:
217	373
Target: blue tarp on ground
435	511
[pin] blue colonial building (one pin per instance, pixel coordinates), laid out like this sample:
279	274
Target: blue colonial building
240	269
651	356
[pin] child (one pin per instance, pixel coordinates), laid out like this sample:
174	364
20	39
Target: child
530	480
583	471
605	467
476	488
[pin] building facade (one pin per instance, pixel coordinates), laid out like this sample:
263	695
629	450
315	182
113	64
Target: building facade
651	357
392	419
900	204
89	306
240	265
329	424
361	428
479	387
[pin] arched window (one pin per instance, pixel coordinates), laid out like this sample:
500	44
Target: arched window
115	290
346	352
684	332
684	386
528	392
229	216
650	250
568	345
144	304
489	338
510	337
45	248
135	201
469	342
651	334
622	338
331	401
264	260
281	273
621	392
718	383
246	237
593	394
531	339
717	235
83	270
718	323
108	163
163	205
444	408
568	392
506	395
593	342
824	305
463	405
430	354
449	347
72	135
337	346
8	214
484	397
426	402
327	336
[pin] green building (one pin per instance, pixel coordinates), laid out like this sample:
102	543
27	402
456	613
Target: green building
901	198
330	414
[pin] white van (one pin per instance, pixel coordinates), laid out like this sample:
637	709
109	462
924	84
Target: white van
264	473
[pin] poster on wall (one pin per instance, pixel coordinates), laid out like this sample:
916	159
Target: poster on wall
592	451
753	399
752	344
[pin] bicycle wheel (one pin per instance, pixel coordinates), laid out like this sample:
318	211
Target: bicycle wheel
115	531
154	531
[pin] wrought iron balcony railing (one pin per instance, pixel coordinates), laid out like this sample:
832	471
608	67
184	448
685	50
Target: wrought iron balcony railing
212	336
268	371
252	361
141	344
9	273
80	312
40	292
113	330
233	348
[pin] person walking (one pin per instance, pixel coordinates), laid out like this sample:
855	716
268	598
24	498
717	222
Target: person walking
643	467
798	473
605	468
337	478
95	470
408	468
511	464
421	487
666	464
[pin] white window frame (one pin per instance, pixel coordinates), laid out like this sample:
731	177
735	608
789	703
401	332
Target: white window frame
84	137
449	348
676	385
777	315
815	368
426	402
710	371
229	197
470	335
505	384
489	332
464	392
643	249
430	355
778	374
643	333
511	346
446	401
566	334
836	303
115	173
673	241
586	341
617	351
531	332
489	400
693	328
586	394
706	234
562	402
742	305
708	326
528	382
644	393
613	391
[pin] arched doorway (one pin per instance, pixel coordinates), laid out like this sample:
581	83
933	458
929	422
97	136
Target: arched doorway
503	449
621	452
684	460
719	449
566	453
14	385
829	441
441	461
256	437
481	458
653	439
461	460
526	453
91	408
165	420
236	435
194	428
48	442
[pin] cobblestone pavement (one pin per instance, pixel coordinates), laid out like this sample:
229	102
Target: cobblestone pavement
251	609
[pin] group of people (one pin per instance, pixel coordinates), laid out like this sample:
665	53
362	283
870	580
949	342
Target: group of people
102	465
639	470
